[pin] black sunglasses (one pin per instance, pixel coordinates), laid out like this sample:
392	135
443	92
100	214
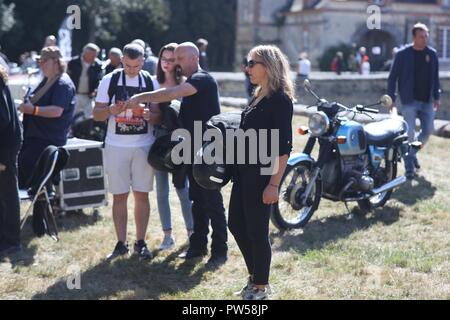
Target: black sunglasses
252	63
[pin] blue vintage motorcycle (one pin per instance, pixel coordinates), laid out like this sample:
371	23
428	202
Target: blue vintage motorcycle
355	162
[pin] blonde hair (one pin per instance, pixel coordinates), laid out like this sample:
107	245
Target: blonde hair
278	70
3	74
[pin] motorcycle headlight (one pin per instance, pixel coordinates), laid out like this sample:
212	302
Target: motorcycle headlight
318	123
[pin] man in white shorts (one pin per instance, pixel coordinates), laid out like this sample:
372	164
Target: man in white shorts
128	140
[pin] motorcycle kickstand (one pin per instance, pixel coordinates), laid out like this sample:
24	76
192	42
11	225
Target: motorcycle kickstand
350	214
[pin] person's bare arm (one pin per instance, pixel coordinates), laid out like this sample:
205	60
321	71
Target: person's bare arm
41	111
270	194
102	111
162	95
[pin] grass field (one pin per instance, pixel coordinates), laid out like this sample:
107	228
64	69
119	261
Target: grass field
399	252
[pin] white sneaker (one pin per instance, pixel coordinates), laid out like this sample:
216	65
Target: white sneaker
257	294
246	289
167	243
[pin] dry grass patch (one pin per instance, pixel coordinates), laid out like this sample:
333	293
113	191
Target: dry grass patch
398	252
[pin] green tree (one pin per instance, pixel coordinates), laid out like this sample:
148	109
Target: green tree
107	18
6	17
212	20
116	22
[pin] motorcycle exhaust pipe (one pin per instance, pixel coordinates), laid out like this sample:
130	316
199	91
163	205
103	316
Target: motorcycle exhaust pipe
390	185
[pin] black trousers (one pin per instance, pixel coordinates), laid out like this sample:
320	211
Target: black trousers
9	200
248	221
207	205
28	157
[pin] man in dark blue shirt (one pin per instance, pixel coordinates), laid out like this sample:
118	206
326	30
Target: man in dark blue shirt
416	72
200	102
47	116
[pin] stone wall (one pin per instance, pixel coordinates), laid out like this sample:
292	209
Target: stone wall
347	89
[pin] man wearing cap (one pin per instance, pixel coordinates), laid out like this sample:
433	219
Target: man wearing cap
86	73
47	115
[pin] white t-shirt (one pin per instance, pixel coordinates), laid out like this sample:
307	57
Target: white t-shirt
126	129
304	67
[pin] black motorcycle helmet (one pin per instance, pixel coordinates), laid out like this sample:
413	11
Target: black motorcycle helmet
210	176
159	156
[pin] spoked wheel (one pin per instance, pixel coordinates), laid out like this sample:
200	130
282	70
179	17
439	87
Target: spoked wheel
387	171
290	212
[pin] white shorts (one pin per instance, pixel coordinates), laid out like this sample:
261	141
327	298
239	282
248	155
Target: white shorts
128	167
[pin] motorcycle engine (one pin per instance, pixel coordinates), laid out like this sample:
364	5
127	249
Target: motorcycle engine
355	168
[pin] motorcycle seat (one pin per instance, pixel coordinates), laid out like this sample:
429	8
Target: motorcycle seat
382	133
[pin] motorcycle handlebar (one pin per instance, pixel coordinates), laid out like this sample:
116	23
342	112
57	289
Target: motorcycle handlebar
371	110
365	109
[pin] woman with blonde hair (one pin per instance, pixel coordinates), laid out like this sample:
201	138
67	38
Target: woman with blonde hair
254	190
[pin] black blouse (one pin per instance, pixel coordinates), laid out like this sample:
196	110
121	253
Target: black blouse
274	112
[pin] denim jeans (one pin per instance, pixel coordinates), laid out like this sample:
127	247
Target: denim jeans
424	111
162	196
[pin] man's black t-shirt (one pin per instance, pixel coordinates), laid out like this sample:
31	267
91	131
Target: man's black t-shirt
202	105
52	130
422	76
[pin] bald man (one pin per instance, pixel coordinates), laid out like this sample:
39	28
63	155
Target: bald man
200	102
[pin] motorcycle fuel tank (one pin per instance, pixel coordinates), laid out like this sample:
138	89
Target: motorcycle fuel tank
356	138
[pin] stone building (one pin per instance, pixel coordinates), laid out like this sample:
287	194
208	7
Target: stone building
315	25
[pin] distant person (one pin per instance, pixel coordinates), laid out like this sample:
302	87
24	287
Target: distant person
10	143
352	63
86	71
336	63
114	60
50	41
202	45
150	61
415	72
365	65
361	58
303	67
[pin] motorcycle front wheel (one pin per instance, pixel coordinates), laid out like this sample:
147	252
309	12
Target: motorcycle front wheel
289	212
387	171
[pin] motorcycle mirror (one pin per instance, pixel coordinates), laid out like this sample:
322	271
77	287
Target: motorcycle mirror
386	101
307	85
